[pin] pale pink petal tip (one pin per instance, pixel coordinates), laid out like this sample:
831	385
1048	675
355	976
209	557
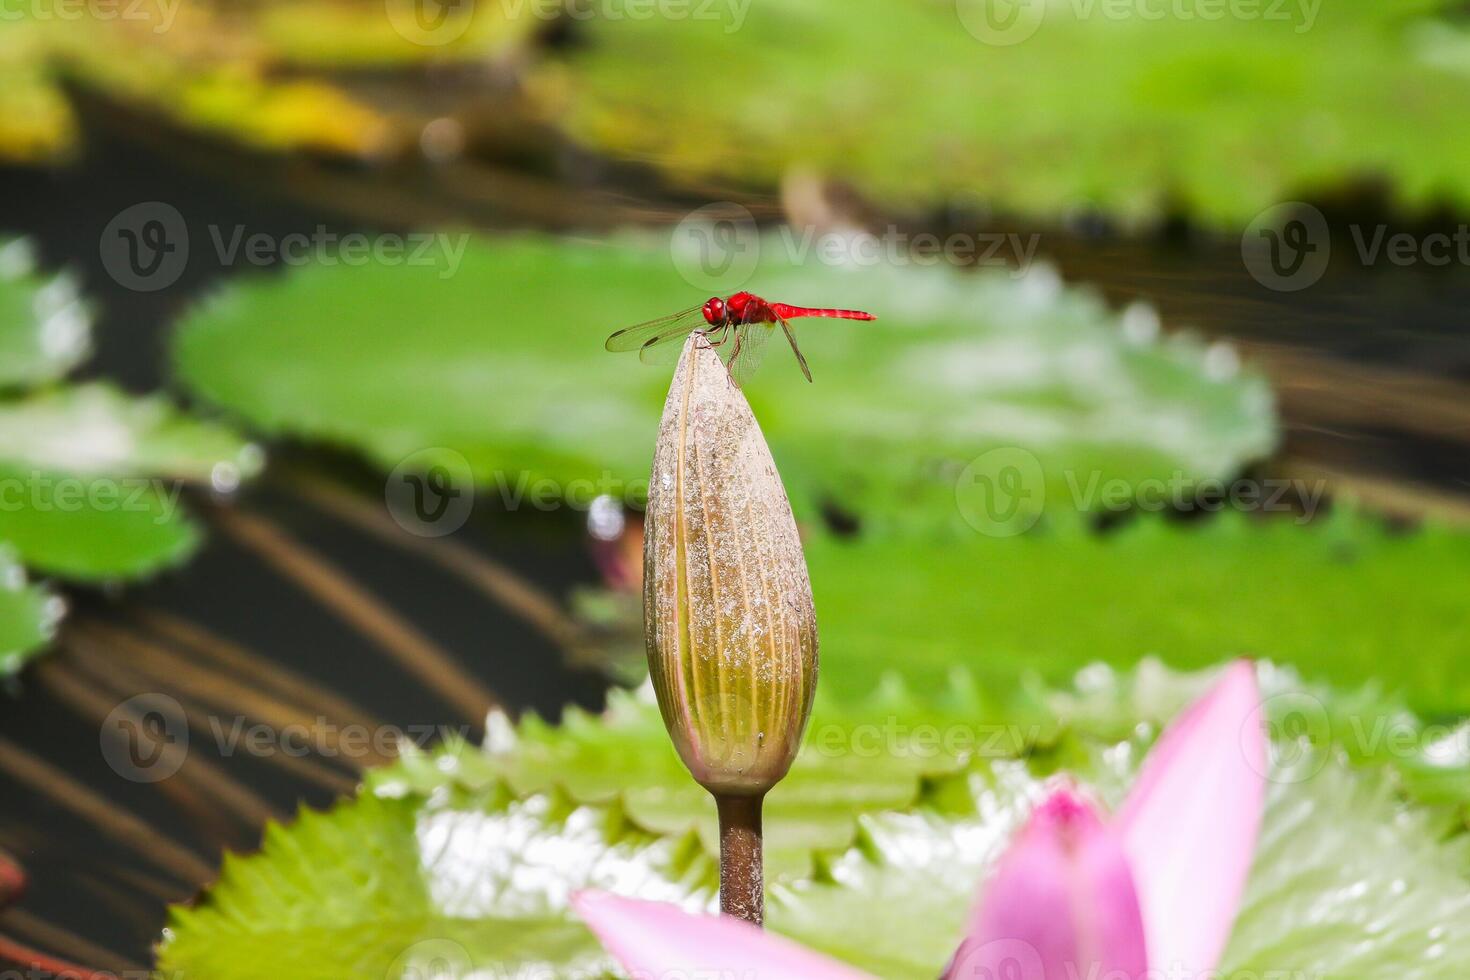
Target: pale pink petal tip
656	939
1061	903
1191	822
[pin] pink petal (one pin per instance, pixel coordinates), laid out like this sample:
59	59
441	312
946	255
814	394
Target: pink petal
1190	824
655	939
1061	904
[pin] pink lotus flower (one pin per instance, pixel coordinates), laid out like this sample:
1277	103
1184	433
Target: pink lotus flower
1154	889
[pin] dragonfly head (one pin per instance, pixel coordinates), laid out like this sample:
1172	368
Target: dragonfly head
714	312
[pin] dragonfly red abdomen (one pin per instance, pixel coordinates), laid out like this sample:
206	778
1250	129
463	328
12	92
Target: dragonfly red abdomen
738	326
793	312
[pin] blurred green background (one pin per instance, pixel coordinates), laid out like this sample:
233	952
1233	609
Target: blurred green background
1171	361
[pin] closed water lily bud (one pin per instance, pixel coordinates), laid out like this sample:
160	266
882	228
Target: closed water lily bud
728	616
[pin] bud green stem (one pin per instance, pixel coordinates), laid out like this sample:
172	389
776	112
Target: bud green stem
742	875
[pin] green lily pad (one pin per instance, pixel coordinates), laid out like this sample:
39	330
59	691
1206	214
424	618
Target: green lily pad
846	767
45	330
90	480
94	429
1312	597
90	477
397	880
28	616
437	860
1041	108
499	358
881	752
1042	606
94	528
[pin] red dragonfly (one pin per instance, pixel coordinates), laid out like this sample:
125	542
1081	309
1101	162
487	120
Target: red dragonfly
737	327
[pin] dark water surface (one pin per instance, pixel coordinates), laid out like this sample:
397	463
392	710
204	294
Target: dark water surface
82	877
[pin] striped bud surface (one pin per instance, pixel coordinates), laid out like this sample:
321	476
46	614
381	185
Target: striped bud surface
728	618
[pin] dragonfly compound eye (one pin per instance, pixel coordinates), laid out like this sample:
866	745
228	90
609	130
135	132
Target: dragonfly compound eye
714	312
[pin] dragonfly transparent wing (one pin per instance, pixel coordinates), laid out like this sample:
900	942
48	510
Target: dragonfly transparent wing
791	338
745	348
654	339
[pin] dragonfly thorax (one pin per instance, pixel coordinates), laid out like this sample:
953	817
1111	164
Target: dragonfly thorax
743	307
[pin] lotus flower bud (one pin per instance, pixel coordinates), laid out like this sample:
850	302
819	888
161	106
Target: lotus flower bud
1061	904
728	618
